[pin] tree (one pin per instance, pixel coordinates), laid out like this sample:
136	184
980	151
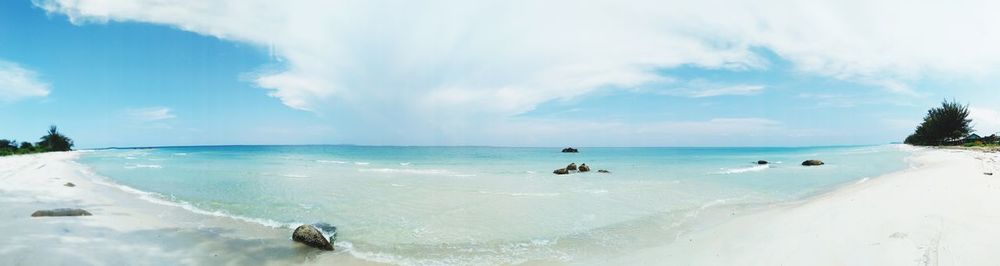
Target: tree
54	141
946	124
27	146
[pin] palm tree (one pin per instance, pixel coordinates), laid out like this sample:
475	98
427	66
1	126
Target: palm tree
54	141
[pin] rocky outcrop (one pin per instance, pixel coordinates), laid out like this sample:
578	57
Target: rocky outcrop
61	212
583	168
310	236
571	167
604	171
570	150
561	171
812	163
762	162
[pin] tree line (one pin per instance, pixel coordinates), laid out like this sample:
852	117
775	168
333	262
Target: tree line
52	141
946	125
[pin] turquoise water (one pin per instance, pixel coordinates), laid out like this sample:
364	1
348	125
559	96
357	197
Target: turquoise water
485	205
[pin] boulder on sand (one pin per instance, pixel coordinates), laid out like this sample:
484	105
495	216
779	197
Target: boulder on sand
812	163
561	171
571	167
583	168
310	236
570	150
69	184
60	212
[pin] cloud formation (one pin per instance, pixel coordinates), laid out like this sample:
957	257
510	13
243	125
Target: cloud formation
18	83
151	114
448	62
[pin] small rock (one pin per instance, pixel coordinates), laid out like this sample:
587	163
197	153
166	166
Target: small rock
570	150
988	173
562	171
571	167
310	236
60	212
762	162
812	163
604	171
69	184
583	168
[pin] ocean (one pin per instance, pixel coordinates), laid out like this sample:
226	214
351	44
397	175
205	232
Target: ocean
487	205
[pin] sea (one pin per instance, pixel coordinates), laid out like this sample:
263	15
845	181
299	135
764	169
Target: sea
488	205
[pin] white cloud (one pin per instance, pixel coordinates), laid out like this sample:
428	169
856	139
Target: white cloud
454	61
17	83
985	121
151	114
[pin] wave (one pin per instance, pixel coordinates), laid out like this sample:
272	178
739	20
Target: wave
295	175
755	168
362	163
404	163
405	171
134	166
522	194
331	161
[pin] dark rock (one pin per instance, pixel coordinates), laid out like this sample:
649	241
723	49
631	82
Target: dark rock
562	171
762	162
812	163
571	167
988	173
69	184
310	236
570	149
60	212
583	168
604	171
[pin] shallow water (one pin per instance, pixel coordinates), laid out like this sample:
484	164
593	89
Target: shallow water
485	205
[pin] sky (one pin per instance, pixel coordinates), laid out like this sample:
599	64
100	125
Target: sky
117	73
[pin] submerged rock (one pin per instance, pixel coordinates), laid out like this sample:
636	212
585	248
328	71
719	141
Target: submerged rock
310	236
60	212
571	167
570	149
812	163
604	171
762	162
69	184
561	171
583	168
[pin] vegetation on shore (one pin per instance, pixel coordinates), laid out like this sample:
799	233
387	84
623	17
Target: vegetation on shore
948	125
52	141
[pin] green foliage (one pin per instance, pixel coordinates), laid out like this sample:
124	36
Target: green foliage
54	141
947	124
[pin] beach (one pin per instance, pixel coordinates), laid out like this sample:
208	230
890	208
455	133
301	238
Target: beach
939	211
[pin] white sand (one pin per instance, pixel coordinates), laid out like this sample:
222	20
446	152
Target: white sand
943	211
124	229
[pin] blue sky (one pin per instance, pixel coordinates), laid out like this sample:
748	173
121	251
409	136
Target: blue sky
121	73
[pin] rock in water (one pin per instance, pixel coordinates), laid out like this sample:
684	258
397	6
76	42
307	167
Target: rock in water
583	168
69	184
570	149
571	167
762	162
60	212
329	230
812	163
562	171
604	171
310	236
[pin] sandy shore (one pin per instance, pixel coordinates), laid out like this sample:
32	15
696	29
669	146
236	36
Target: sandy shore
943	211
124	229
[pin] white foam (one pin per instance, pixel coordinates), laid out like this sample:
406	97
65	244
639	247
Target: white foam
134	166
362	163
522	194
295	175
404	163
405	171
755	168
331	161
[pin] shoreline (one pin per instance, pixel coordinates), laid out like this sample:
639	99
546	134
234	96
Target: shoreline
170	233
938	212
